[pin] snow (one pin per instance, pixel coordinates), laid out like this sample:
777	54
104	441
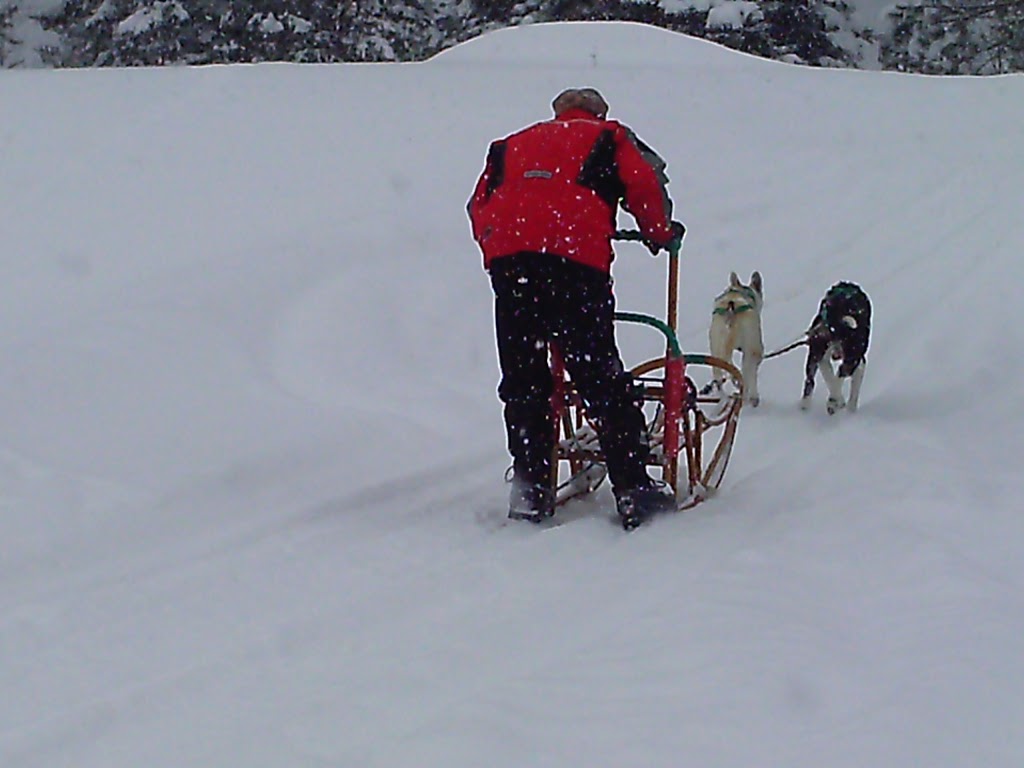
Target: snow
732	15
145	19
681	6
269	24
252	455
24	40
872	13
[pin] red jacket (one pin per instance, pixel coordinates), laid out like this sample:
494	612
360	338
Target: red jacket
555	187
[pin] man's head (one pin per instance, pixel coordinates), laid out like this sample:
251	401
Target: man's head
588	99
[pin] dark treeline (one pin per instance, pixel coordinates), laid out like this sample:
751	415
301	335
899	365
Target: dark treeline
971	37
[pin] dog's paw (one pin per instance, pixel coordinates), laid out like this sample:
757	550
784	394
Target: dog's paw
805	403
754	401
835	404
711	386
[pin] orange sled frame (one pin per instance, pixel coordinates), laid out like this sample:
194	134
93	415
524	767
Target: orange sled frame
690	436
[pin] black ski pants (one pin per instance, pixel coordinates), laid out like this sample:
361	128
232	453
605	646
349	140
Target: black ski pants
541	298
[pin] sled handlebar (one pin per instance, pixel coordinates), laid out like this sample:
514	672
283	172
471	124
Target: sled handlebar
672	308
673	247
671	340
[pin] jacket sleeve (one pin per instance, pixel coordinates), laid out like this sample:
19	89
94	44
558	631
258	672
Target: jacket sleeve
646	195
489	180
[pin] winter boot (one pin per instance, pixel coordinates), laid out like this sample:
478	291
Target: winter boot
529	501
636	505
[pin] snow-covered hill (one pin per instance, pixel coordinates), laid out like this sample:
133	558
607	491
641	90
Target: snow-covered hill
251	460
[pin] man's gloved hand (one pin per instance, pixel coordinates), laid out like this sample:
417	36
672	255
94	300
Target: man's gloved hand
677	229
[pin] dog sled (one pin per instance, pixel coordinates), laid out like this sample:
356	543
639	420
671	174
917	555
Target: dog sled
690	434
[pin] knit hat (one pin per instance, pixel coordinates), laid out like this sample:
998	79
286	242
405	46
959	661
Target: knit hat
588	99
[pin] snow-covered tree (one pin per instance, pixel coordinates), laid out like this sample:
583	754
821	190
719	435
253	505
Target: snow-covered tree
8	38
801	31
386	30
147	32
816	32
972	37
967	37
127	32
26	37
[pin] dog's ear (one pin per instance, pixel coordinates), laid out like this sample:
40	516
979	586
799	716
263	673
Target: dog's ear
756	283
734	280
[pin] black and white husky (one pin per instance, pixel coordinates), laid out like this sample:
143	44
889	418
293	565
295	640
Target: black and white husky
840	331
736	327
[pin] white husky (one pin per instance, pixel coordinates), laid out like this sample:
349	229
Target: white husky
736	327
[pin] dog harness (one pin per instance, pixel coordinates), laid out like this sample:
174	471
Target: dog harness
746	293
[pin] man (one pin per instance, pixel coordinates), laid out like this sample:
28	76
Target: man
543	213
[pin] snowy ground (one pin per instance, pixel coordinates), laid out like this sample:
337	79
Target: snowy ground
251	460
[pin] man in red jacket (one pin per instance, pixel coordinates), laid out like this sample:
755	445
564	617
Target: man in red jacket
543	213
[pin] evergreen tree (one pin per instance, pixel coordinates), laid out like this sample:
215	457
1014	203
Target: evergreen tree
974	37
146	32
8	40
940	36
26	37
796	30
126	33
643	11
507	13
386	30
